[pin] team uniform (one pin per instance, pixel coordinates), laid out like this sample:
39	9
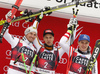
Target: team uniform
79	59
19	46
47	60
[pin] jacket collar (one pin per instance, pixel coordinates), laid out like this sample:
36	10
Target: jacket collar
86	52
26	41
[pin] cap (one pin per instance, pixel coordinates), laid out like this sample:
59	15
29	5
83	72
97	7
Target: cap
30	29
48	31
84	37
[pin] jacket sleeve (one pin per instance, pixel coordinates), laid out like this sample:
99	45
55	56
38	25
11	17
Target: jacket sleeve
11	39
65	41
37	42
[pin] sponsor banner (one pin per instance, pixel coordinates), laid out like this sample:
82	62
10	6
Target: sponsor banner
85	9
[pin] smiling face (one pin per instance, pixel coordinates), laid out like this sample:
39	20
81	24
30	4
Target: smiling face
31	36
83	45
48	38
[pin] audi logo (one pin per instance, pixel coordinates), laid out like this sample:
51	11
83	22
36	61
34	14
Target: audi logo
5	68
63	61
8	52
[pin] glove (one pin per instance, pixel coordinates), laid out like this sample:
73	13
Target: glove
26	13
72	24
31	18
73	21
8	15
39	18
46	9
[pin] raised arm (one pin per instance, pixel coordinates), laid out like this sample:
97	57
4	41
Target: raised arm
37	42
10	38
66	39
35	24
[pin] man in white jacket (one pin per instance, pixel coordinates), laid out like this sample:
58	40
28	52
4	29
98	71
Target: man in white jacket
48	55
81	55
19	48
